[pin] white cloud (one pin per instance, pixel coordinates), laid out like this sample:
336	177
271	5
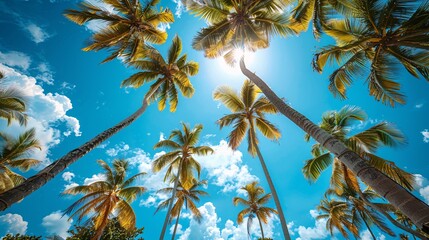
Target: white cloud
119	148
67	86
14	223
45	75
178	230
207	136
15	59
163	27
425	134
422	185
419	105
45	111
38	35
317	232
366	235
161	136
94	178
57	224
72	184
208	227
179	8
103	145
68	176
225	168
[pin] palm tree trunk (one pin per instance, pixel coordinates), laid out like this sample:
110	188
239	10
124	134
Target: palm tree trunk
175	225
41	178
273	191
367	226
399	197
170	206
262	229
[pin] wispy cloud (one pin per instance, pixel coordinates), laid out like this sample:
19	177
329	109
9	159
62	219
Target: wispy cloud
425	134
15	59
419	105
37	34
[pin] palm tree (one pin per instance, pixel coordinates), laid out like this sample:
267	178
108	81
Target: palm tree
104	197
12	104
254	206
14	154
182	146
360	211
222	17
365	143
382	34
129	26
248	113
338	217
184	197
166	74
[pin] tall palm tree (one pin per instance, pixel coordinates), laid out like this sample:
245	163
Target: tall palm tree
181	157
129	26
12	104
14	154
338	217
221	18
365	143
166	74
248	114
382	34
185	197
104	197
254	206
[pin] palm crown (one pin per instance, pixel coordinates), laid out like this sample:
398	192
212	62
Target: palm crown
182	146
381	35
365	143
254	205
248	111
12	104
130	26
104	197
242	24
167	74
14	154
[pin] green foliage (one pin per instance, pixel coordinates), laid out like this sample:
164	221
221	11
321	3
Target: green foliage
114	231
20	237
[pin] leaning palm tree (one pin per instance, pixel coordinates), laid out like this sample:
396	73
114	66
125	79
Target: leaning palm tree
365	143
12	104
248	114
181	157
185	197
15	154
254	206
129	26
104	197
382	34
223	18
166	74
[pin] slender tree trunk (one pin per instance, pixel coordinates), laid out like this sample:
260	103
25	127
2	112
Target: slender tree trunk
175	225
170	206
274	192
41	178
399	197
367	226
262	229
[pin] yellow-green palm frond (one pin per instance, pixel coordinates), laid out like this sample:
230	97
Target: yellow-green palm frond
130	194
138	79
249	92
267	129
229	98
345	31
190	68
229	119
315	166
168	144
264	199
263	105
242	214
126	215
174	50
15	150
239	200
252	142
165	159
13	106
238	133
202	150
415	62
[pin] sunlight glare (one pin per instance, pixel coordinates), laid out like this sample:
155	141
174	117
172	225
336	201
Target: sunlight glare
235	70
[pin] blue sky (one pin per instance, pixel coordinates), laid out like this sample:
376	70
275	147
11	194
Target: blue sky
73	97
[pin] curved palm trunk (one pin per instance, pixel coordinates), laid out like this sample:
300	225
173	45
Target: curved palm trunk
262	229
399	197
170	206
175	225
367	226
274	192
41	178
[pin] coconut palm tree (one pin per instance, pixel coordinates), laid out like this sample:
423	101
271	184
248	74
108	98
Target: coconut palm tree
14	154
12	104
166	74
382	34
254	206
185	197
129	26
221	17
365	143
181	157
338	217
248	114
104	197
360	211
